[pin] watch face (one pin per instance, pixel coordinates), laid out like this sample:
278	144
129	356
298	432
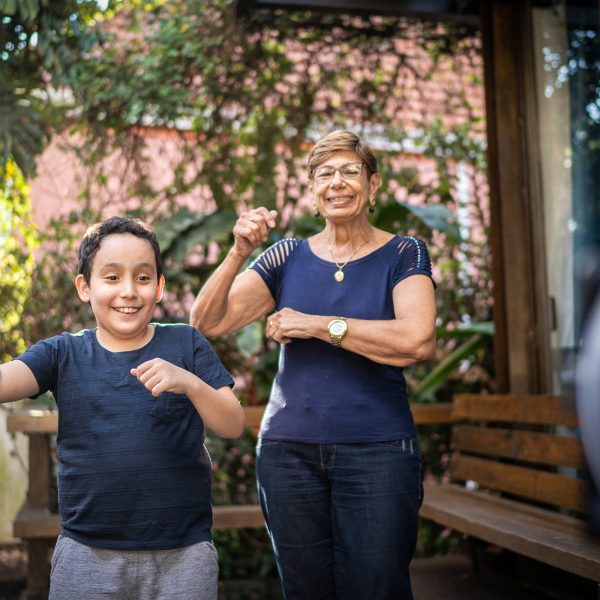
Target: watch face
337	327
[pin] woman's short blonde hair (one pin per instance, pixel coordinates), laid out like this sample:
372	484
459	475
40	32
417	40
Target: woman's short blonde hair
341	141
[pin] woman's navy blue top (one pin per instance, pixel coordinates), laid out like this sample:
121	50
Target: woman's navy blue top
323	393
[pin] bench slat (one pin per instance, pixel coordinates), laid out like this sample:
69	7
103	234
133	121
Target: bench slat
36	523
527	446
540	486
237	517
541	409
39	523
558	540
253	416
432	414
46	421
32	421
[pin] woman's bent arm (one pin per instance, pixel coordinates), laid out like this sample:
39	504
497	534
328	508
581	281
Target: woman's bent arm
405	340
228	301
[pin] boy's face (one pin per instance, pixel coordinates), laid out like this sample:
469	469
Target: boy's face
123	290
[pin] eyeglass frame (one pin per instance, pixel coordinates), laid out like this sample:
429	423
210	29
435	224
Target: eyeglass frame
362	164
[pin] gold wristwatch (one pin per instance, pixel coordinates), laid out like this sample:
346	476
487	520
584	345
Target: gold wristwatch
337	330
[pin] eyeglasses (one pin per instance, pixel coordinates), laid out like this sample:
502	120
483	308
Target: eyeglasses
326	173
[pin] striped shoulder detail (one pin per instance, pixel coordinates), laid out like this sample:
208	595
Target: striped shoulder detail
415	252
276	255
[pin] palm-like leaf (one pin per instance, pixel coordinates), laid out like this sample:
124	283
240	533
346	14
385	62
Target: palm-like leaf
24	129
477	335
184	231
431	216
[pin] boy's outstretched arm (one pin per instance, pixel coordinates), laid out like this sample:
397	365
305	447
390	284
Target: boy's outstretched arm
220	410
16	381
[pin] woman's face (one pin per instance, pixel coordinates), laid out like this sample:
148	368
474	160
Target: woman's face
343	198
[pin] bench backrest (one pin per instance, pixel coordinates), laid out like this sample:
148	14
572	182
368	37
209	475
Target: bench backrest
524	445
39	424
37	421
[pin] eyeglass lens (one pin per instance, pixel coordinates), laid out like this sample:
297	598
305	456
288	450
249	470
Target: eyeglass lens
348	171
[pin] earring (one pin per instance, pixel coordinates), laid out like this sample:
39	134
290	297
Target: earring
317	213
372	206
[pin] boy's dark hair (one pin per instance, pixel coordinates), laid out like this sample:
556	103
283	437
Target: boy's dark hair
96	233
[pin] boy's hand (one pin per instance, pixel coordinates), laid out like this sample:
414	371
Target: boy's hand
219	409
160	376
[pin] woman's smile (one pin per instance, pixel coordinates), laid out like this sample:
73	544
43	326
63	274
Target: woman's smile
340	200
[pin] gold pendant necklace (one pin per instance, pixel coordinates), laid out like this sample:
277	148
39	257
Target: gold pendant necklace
339	274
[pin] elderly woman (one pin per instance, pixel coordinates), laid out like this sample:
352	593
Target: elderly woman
338	463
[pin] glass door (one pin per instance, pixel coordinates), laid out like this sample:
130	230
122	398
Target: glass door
567	79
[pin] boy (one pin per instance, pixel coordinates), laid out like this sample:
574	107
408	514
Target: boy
133	399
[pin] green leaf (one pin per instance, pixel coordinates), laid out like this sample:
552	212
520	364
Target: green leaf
186	230
437	377
29	9
483	328
433	216
249	339
8	7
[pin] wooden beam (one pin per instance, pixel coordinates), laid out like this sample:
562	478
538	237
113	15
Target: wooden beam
253	416
237	517
38	494
539	486
36	523
447	10
563	542
38	567
32	421
527	446
542	409
432	414
501	370
40	523
513	195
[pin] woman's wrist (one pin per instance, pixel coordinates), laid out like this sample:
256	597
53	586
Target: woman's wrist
238	255
321	332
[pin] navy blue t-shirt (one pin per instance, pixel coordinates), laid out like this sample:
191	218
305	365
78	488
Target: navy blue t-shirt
324	394
134	473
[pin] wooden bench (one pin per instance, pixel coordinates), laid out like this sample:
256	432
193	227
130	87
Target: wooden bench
39	527
520	475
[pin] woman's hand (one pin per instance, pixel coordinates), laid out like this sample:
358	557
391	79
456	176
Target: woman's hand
287	324
252	229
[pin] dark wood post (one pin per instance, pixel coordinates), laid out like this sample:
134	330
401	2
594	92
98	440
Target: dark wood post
521	359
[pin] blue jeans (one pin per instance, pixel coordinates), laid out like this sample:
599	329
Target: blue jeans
343	518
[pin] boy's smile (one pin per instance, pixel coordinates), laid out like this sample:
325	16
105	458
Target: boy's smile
128	310
122	291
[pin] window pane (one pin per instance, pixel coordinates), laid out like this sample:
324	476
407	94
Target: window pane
567	62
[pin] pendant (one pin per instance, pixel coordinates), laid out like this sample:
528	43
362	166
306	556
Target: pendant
339	276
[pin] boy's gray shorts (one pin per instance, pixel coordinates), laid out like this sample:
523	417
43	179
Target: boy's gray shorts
80	572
